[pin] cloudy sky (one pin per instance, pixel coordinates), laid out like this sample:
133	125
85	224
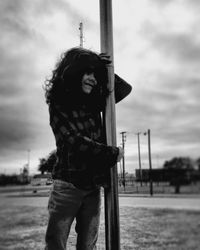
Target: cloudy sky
156	49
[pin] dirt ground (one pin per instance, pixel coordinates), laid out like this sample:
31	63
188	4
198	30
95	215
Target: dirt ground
23	228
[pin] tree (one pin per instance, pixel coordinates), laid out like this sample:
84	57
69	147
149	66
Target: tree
46	164
198	163
178	169
179	163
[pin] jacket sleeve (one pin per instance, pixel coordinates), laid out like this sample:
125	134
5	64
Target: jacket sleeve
83	147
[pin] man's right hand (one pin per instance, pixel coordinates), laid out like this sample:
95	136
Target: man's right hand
121	154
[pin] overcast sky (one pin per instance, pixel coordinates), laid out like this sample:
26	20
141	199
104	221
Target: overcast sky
156	49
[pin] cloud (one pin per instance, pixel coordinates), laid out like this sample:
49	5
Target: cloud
19	86
165	97
168	104
13	127
162	4
158	55
182	47
195	4
13	17
176	38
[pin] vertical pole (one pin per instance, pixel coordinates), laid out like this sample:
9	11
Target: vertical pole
139	158
123	160
81	34
111	193
150	165
121	173
28	163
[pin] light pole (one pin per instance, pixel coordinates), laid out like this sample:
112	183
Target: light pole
112	223
150	165
81	34
28	163
123	160
139	157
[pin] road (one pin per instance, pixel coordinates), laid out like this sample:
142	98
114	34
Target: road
130	201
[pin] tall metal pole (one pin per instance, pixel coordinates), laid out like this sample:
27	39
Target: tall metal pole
121	173
81	34
28	163
139	157
111	193
123	160
150	165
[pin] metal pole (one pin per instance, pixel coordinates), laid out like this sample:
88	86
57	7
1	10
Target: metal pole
150	165
123	159
81	34
111	193
139	157
28	163
121	173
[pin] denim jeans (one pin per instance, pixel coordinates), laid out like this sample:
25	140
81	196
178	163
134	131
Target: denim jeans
66	202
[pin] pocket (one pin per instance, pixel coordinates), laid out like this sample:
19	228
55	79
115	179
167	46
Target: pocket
64	198
62	185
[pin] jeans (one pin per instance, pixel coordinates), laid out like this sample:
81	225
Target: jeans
66	202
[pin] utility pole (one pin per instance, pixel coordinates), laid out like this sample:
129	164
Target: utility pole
121	173
139	157
112	227
150	165
81	34
123	160
28	162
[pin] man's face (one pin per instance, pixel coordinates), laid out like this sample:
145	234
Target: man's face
88	82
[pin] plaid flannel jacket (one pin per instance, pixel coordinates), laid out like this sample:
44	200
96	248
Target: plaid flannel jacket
82	157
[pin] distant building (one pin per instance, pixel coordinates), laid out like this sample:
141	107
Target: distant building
168	175
41	179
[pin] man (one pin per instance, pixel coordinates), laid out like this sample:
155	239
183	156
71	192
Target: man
76	95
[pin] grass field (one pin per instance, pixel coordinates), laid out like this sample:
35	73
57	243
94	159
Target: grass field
23	228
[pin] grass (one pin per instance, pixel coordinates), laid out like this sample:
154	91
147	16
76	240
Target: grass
23	228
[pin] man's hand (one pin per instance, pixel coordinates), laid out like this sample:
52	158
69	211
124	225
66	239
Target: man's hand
105	58
121	154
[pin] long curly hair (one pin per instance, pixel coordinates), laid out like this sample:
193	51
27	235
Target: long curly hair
64	87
